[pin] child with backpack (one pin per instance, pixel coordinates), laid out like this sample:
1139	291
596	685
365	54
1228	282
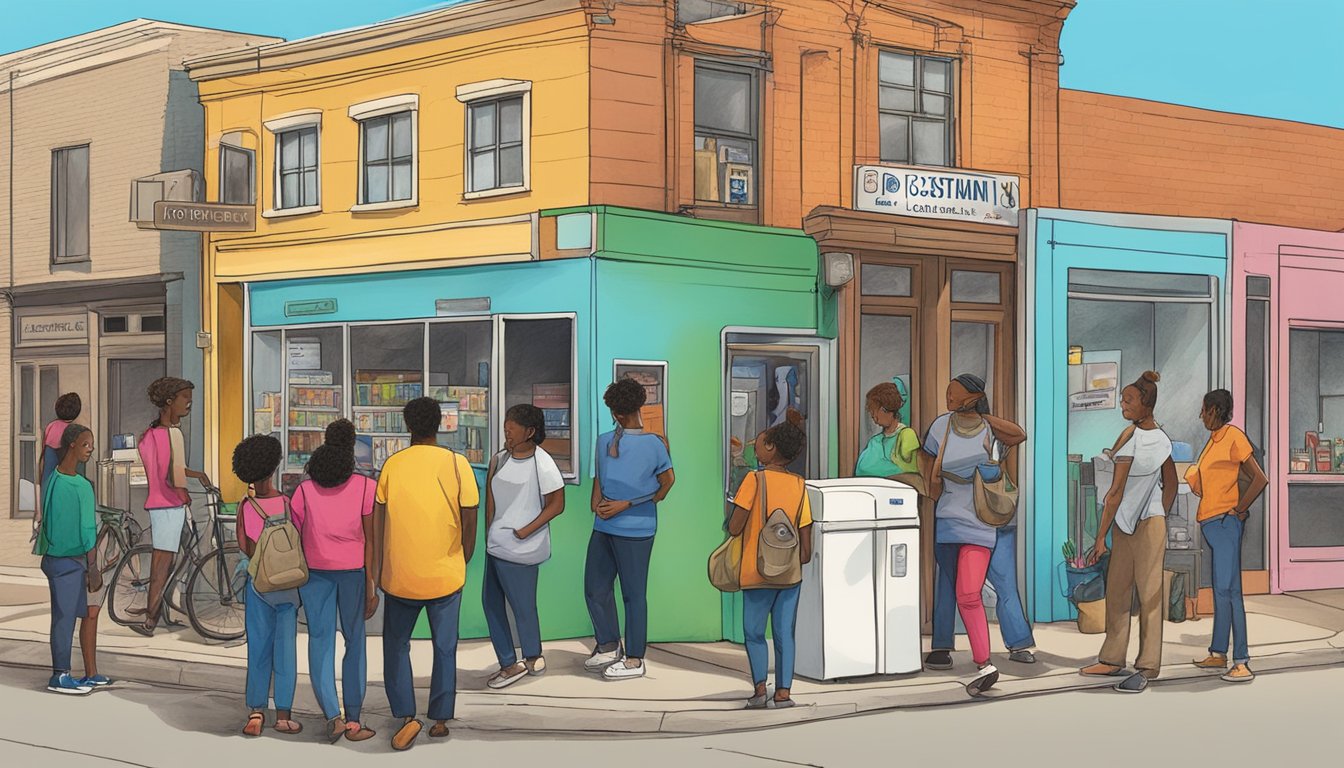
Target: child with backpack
269	540
772	515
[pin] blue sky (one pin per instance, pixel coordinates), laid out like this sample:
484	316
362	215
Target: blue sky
1278	59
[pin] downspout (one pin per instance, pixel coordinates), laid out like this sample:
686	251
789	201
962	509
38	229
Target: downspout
10	284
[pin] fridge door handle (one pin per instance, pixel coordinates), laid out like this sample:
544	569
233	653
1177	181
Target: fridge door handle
898	561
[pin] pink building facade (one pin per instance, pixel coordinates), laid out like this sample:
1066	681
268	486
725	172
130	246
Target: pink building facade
1287	365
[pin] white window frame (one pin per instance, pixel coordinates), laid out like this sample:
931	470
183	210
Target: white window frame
308	118
494	90
498	392
391	105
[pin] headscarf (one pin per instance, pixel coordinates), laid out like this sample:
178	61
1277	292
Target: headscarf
975	385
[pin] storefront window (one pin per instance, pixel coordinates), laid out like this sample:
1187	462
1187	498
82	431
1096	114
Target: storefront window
388	363
1316	402
128	413
539	369
315	367
268	398
884	355
459	378
973	352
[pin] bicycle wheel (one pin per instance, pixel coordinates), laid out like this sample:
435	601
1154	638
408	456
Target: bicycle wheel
128	591
214	595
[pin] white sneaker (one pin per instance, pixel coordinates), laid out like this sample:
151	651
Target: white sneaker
600	661
622	671
985	678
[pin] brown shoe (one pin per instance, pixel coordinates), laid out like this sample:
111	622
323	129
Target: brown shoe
1214	661
1102	670
405	736
1239	673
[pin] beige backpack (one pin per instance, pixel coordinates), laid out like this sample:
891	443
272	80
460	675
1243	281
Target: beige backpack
277	563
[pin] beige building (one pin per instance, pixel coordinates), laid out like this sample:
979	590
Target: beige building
93	130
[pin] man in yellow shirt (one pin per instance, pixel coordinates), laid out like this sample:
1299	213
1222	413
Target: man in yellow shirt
424	533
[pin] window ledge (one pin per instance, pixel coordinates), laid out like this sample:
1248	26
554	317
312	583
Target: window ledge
390	205
281	213
496	192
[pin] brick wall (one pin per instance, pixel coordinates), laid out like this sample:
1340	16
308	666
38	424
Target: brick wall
1135	156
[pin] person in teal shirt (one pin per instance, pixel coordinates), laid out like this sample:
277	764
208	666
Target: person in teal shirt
66	542
892	452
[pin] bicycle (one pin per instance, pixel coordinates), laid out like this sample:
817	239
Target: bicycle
118	533
206	586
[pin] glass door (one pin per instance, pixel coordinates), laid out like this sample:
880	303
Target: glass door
26	442
764	382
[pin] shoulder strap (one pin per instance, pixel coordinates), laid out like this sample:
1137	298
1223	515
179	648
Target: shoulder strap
260	510
802	496
760	491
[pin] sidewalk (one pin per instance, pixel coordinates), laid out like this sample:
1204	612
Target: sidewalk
691	688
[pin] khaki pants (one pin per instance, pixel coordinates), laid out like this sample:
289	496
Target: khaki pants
1136	562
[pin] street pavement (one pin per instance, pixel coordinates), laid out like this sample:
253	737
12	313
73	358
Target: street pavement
1279	719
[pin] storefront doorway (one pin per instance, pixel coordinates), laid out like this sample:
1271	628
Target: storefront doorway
39	382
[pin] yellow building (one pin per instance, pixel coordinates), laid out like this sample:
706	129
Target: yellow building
413	145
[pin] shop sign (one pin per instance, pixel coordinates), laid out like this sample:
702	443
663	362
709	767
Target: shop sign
204	217
45	329
959	195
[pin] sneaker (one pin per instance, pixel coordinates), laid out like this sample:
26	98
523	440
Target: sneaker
1240	673
64	683
985	679
1135	683
1214	661
601	660
97	681
623	671
938	660
1022	657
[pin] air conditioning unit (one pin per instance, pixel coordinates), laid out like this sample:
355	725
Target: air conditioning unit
181	186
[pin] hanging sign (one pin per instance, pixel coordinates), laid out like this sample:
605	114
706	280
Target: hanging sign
958	195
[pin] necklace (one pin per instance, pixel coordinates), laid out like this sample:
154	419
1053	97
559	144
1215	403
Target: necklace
967	431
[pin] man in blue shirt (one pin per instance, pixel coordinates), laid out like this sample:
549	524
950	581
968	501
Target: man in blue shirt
633	473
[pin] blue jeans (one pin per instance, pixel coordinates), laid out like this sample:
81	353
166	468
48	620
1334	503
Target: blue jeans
609	557
780	606
515	585
399	617
1002	577
1223	533
67	583
330	596
272	640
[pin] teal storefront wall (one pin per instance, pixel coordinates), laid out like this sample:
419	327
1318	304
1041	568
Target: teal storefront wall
1057	242
657	287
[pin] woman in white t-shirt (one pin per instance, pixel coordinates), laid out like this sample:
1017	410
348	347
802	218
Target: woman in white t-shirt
524	493
1141	495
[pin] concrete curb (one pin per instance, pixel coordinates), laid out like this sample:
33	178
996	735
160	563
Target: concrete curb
498	712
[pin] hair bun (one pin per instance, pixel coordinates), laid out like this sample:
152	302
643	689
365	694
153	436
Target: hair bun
1152	376
794	417
340	434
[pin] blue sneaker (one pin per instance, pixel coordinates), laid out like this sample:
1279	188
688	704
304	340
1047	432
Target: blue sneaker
64	683
97	681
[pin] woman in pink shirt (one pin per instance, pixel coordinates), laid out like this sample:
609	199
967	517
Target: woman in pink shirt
164	457
332	510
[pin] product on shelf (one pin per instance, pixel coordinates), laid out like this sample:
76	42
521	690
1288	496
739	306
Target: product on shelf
387	388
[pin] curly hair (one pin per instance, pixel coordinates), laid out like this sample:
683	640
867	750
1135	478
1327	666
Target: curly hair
625	397
331	465
1220	402
423	415
162	391
256	458
788	436
529	416
341	434
69	406
886	396
68	438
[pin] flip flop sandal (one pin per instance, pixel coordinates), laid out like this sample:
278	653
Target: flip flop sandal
405	737
357	732
758	702
337	729
142	629
439	731
254	718
292	729
536	668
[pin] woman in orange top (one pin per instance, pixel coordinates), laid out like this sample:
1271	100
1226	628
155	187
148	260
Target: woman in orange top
763	598
1222	519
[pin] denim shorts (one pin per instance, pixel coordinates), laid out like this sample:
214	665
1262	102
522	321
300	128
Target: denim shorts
165	526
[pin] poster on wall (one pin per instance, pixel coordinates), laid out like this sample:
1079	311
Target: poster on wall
1100	383
305	354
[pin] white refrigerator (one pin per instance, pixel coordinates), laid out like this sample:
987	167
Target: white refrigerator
858	613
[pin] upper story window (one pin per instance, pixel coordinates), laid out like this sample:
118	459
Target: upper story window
70	204
915	108
691	11
498	136
387	152
236	180
298	175
726	134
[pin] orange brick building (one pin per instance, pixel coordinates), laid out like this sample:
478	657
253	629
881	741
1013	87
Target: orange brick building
1135	156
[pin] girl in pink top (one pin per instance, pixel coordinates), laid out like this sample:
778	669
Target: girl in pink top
333	511
164	459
